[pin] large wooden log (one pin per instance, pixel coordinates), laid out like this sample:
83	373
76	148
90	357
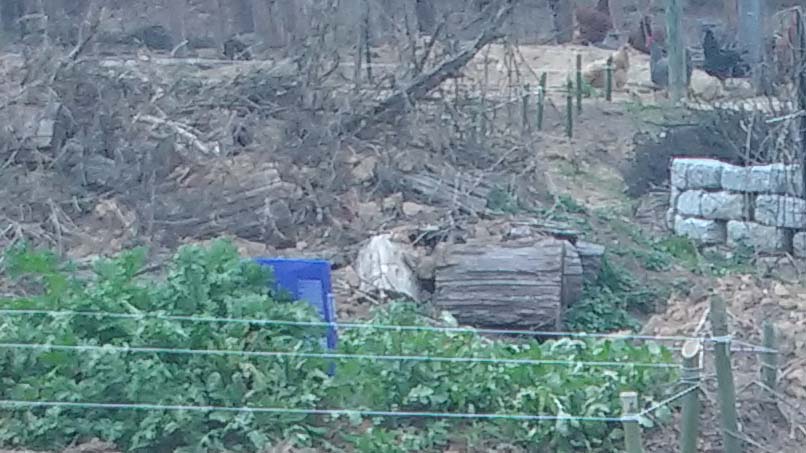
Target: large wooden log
509	285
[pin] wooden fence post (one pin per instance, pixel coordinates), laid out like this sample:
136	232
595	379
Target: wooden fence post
579	83
569	109
724	376
751	36
692	352
632	430
674	41
527	126
367	43
769	359
541	101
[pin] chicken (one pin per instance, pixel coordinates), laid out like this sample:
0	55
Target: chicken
621	59
594	23
659	66
722	63
639	38
595	73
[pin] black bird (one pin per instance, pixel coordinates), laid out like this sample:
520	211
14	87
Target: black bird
722	63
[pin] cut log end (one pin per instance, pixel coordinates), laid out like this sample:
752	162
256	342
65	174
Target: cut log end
510	286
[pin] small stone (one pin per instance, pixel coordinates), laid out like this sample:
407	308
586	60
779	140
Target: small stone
369	212
799	245
788	303
519	232
412	209
775	178
705	87
392	201
350	276
701	230
480	231
365	170
689	203
690	173
44	133
762	238
722	206
780	290
781	211
736	178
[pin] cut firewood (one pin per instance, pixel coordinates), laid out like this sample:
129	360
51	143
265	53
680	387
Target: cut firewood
509	285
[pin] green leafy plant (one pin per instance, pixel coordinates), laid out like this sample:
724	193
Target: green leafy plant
607	305
216	282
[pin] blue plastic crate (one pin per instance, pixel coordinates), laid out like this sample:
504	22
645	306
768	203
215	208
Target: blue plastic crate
309	281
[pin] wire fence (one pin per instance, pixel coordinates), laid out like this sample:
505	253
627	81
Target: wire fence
690	385
742	345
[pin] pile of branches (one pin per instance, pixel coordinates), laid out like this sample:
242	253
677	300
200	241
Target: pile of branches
134	130
738	136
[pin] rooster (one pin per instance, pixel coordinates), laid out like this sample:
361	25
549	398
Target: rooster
594	23
639	38
722	63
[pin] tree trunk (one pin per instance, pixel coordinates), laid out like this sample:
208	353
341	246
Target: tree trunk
10	11
288	14
732	15
244	16
266	24
426	16
509	285
563	13
176	11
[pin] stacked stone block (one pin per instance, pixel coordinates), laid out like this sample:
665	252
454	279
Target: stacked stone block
762	206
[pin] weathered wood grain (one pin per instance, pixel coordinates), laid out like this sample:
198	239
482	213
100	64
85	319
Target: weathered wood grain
509	285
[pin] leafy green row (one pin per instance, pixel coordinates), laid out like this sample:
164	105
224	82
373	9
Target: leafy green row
217	282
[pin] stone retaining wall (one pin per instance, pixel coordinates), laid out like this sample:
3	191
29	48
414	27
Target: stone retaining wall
762	206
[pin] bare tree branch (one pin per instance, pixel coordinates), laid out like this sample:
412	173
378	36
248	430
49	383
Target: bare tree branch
425	83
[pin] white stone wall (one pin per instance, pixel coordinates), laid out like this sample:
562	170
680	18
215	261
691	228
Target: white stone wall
762	206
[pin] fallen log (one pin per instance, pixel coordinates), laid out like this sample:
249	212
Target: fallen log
453	189
509	285
255	207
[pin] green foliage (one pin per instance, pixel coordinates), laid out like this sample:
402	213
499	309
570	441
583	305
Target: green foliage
589	91
216	282
606	305
569	205
502	200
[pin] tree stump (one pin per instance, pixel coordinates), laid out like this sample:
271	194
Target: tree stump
510	285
